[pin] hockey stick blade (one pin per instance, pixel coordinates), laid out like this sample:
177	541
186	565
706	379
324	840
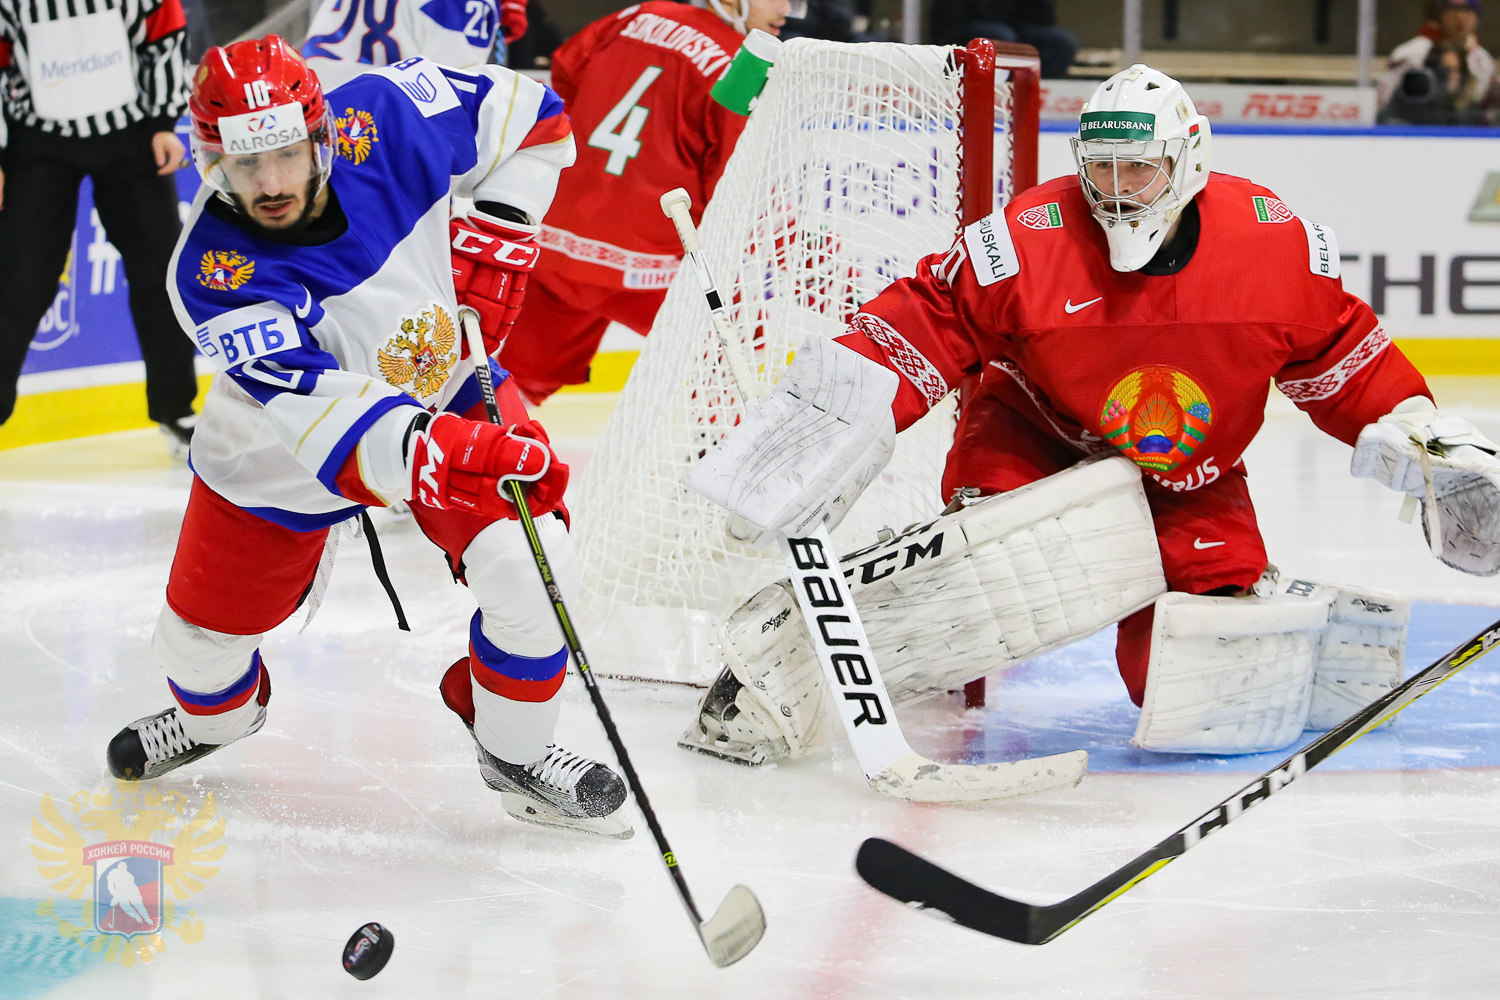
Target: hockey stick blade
914	778
924	886
735	928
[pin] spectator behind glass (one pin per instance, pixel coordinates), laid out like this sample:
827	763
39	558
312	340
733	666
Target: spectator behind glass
1032	22
830	19
1443	76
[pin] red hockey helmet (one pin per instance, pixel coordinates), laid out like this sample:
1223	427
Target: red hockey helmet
251	98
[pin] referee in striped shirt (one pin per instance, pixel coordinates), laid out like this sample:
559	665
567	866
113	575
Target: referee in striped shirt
94	88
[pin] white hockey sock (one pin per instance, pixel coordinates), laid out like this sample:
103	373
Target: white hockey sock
201	663
518	732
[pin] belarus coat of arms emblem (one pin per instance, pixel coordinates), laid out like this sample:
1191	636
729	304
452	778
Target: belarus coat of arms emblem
420	358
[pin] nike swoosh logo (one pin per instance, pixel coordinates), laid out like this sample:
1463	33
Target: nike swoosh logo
305	307
1070	308
1199	543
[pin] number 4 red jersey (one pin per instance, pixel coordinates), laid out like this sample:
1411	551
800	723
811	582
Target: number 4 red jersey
1170	370
636	86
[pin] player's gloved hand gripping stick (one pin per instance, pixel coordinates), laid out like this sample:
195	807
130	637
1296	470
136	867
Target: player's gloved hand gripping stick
739	923
844	651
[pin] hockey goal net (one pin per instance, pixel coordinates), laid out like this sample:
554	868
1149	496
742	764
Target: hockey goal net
857	161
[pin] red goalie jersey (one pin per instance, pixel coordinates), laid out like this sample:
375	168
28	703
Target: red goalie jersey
1171	370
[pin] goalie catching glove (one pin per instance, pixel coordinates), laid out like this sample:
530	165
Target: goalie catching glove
492	260
1445	462
464	464
805	454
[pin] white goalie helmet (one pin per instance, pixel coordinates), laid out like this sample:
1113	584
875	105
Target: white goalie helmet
736	12
1143	152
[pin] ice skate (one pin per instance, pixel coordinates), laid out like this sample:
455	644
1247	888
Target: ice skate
563	789
723	729
150	747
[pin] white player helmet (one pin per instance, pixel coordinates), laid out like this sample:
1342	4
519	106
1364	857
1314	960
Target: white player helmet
736	12
1140	134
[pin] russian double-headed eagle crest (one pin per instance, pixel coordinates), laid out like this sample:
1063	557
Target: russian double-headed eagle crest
225	270
135	852
357	134
420	358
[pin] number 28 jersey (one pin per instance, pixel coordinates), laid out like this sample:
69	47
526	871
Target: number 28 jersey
350	37
636	86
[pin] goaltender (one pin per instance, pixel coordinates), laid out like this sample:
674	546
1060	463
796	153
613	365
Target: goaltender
1127	322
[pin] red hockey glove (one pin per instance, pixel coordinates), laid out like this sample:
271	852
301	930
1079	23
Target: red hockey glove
463	465
491	261
512	19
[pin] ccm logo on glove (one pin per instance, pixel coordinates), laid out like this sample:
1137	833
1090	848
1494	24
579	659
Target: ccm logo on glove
465	464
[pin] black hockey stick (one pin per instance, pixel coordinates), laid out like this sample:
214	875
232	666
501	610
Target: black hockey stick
921	884
739	923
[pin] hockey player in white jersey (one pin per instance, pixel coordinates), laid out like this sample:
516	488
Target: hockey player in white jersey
350	37
317	272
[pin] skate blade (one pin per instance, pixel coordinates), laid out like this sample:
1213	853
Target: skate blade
748	754
527	810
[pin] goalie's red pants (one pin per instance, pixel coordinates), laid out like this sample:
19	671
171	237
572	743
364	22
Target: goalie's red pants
1209	539
557	334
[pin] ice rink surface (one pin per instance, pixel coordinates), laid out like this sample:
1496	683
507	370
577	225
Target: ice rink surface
1375	876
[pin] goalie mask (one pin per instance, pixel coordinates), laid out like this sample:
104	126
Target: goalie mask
1143	153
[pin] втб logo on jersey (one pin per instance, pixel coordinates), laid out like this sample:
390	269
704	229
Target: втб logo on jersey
420	358
225	270
1157	416
356	135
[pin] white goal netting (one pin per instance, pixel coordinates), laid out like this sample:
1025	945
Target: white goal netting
848	172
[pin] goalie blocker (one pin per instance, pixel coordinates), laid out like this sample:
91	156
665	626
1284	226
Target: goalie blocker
1015	575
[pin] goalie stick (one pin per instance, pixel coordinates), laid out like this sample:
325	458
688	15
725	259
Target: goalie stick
839	640
920	884
739	923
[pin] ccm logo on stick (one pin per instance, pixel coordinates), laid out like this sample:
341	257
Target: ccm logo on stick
850	666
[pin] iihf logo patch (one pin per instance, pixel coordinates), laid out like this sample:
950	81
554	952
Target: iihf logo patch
1156	416
357	135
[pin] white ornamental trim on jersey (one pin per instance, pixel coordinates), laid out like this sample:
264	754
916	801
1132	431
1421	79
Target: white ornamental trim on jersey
234	337
260	131
1308	390
422	81
991	250
908	360
697	48
641	270
1322	250
1088	444
1271	209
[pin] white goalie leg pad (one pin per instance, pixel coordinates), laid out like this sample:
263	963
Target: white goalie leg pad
970	593
1363	653
806	453
1232	675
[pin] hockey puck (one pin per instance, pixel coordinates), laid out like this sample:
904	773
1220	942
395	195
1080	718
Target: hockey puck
368	951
